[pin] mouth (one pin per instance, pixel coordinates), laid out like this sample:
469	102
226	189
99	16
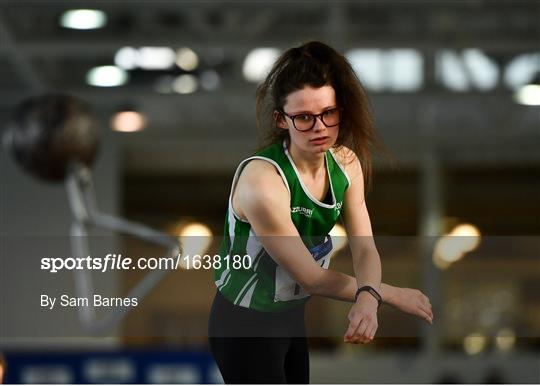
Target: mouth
319	139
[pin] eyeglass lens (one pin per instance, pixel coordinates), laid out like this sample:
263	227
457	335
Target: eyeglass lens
305	122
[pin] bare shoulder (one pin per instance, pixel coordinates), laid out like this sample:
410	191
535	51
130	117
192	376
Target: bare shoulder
259	185
260	175
350	162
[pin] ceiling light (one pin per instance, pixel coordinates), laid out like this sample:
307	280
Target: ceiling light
155	58
187	59
529	95
106	76
454	245
405	69
452	71
195	239
470	236
185	84
505	339
474	343
126	58
128	121
367	64
483	71
258	63
521	70
83	19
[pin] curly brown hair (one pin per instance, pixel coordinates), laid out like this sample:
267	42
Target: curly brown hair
316	64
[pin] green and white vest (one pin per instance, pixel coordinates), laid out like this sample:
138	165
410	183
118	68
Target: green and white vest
265	286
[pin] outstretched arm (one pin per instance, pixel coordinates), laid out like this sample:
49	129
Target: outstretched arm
408	300
366	260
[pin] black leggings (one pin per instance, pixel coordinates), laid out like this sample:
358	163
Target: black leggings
258	347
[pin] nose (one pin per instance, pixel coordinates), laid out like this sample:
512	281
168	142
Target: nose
319	124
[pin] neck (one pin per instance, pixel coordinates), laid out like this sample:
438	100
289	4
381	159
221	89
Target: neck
307	163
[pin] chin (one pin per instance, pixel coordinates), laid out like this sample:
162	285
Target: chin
322	148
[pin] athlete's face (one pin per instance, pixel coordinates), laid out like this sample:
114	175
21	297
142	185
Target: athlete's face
310	100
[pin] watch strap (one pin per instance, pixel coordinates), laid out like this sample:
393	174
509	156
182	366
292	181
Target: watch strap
372	291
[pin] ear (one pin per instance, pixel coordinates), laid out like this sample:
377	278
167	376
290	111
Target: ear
280	120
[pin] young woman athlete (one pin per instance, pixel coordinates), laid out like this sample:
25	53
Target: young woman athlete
284	201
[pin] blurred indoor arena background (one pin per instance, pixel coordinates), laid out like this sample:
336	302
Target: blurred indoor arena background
455	90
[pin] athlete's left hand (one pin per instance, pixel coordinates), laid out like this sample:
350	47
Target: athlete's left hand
362	320
412	301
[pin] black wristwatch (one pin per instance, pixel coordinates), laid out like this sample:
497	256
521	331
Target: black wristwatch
372	291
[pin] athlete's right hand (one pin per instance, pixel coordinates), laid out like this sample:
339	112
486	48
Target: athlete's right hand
362	320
